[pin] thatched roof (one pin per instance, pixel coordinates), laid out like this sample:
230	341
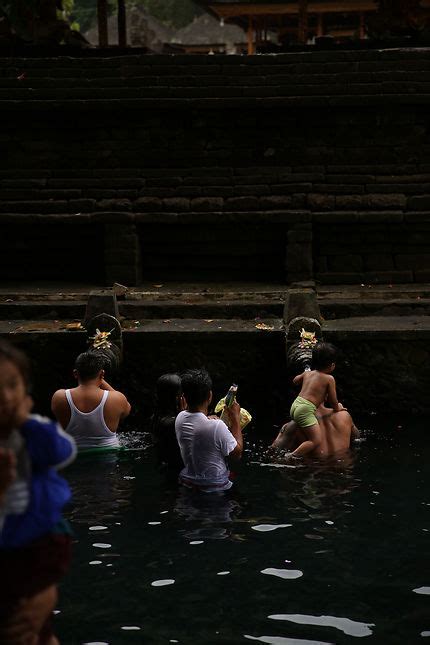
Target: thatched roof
143	30
207	30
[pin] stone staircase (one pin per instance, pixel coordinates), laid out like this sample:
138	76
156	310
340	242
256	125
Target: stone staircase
247	175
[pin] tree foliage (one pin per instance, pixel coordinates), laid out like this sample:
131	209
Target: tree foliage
175	13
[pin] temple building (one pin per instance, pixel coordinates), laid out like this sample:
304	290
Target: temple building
294	21
209	35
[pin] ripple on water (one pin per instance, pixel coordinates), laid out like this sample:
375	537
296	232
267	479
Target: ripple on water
162	583
95	562
345	625
130	628
425	634
422	590
281	640
287	574
269	527
98	528
102	545
196	541
223	573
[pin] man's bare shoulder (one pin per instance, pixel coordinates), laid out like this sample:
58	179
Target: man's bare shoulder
117	395
59	395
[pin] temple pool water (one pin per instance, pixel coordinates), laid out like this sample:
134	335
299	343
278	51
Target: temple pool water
297	556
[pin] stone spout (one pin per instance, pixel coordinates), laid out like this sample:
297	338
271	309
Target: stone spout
303	328
104	333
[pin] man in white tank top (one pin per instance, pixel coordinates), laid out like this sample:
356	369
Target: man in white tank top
92	411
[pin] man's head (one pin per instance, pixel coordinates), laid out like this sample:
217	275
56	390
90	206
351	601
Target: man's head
89	366
196	387
324	357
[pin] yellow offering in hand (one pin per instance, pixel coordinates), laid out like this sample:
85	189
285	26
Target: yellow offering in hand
244	419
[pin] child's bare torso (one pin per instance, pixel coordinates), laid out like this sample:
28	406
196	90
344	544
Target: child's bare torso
315	386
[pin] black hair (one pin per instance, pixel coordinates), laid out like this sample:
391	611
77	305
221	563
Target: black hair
14	355
89	364
323	355
168	389
196	386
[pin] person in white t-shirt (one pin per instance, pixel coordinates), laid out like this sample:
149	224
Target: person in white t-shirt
205	442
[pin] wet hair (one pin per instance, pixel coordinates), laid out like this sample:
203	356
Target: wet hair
89	364
14	355
323	355
168	389
196	386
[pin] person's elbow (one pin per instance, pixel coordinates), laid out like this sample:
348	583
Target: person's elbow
237	452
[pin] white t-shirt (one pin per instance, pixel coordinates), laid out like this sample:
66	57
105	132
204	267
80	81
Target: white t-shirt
204	444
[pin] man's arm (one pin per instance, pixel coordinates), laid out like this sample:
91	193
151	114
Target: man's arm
233	413
60	408
286	437
298	378
355	432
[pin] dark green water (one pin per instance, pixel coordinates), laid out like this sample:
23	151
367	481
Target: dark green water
348	544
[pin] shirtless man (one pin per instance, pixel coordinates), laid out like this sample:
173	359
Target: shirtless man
337	433
92	411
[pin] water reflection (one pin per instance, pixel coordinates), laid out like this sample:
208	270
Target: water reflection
316	484
334	535
211	511
345	625
101	489
280	640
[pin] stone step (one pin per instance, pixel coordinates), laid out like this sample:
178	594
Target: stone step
335	309
175	325
250	76
75	91
383	328
145	309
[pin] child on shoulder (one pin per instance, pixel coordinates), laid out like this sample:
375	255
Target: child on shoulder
317	386
35	542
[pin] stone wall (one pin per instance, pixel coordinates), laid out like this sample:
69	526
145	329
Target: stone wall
312	165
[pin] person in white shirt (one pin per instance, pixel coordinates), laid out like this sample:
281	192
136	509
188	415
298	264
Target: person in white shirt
205	442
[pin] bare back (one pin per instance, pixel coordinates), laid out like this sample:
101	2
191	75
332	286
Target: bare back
317	386
337	430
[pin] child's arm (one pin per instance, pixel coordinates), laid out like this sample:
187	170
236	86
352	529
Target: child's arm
331	394
313	441
47	443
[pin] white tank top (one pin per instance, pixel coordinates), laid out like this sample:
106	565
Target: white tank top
89	429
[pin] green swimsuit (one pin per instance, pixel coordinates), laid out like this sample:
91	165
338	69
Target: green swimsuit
303	412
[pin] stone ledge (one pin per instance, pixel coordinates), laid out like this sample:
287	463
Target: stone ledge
104	105
378	327
175	325
151	217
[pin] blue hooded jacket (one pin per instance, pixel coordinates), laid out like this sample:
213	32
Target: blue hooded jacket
48	448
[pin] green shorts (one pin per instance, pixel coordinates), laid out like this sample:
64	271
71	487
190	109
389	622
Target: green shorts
303	412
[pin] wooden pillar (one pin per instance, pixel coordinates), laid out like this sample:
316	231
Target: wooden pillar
251	48
303	21
102	18
362	31
122	25
320	25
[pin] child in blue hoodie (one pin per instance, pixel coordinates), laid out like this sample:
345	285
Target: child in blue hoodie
34	540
